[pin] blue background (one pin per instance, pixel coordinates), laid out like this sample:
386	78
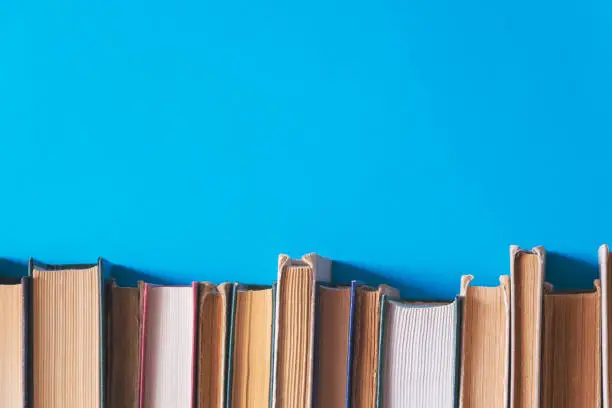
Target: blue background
412	141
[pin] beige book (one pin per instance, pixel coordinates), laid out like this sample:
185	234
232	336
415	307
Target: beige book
67	335
12	343
252	348
123	357
572	357
333	321
212	347
364	376
485	356
419	354
605	271
527	271
168	345
295	325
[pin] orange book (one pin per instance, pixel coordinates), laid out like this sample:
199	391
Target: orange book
67	315
14	341
527	271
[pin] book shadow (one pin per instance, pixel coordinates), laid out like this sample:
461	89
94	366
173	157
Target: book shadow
126	276
567	273
11	268
345	272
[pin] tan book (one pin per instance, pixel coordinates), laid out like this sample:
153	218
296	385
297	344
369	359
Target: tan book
571	369
251	346
332	346
14	387
366	322
419	354
68	335
527	271
605	272
485	355
295	326
123	357
168	346
213	328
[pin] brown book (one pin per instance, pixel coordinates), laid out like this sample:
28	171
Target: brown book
485	355
67	335
572	357
123	357
14	344
527	286
332	346
252	347
295	323
605	272
366	343
213	312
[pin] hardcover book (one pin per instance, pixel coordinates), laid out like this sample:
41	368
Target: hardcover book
68	314
168	346
14	343
527	272
419	354
295	329
485	351
251	338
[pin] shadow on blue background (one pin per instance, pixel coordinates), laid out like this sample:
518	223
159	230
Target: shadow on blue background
567	273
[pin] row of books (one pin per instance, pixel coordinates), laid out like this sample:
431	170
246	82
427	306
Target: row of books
71	338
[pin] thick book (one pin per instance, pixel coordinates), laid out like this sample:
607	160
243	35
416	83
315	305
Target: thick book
14	343
332	349
168	346
485	351
419	354
214	305
68	335
364	348
250	346
294	340
124	306
571	368
527	273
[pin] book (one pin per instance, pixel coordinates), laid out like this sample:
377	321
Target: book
365	343
485	351
68	333
14	343
213	330
419	354
250	346
168	346
292	384
527	272
333	335
605	271
571	369
124	307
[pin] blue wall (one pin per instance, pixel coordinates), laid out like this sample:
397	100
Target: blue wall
412	141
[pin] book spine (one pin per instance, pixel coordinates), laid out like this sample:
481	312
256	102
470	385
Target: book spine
604	274
351	337
143	339
381	351
230	347
26	286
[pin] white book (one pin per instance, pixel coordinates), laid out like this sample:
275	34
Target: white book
418	355
168	344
